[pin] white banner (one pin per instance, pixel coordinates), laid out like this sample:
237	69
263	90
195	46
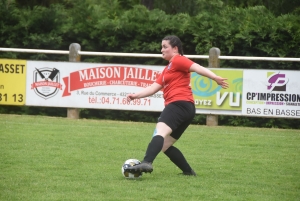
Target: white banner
271	93
264	93
89	85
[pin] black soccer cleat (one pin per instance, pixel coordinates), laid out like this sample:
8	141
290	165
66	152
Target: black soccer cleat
142	167
191	173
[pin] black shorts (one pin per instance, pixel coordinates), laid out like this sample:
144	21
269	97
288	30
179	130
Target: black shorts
178	116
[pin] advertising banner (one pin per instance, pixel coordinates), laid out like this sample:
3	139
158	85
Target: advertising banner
88	85
209	95
262	93
12	82
271	93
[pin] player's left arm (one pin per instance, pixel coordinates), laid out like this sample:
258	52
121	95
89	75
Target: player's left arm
208	73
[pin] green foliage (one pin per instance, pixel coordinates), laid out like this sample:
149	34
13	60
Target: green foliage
119	115
45	111
33	3
252	31
113	27
127	26
36	28
173	7
278	7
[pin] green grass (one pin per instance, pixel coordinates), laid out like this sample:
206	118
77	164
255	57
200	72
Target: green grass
43	158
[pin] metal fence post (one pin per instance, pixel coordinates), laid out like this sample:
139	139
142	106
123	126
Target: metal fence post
214	62
73	113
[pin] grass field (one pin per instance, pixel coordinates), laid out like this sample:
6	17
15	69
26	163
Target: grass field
44	158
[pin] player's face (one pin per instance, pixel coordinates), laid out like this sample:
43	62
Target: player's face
167	50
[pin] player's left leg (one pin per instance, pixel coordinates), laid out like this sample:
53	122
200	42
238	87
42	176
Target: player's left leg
174	154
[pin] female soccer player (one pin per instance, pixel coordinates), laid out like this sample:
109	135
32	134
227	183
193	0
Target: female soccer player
179	108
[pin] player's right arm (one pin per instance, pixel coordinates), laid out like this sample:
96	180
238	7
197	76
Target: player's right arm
148	91
208	73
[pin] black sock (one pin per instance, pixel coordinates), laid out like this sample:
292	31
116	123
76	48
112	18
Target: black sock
178	159
154	147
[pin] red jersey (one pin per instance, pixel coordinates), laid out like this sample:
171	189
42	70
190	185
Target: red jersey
176	79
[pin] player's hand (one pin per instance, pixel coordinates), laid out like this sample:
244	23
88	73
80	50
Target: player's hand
221	81
131	97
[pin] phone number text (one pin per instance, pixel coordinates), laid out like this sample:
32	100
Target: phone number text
119	101
13	98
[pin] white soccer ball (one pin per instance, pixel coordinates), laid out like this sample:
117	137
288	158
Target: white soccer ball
129	163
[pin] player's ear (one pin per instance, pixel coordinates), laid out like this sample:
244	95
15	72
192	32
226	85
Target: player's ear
175	49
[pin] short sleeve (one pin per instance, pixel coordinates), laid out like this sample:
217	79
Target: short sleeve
182	63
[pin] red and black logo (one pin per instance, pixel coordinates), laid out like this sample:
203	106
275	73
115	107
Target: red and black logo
46	82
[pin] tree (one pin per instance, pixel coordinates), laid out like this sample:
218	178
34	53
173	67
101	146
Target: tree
32	3
278	7
148	3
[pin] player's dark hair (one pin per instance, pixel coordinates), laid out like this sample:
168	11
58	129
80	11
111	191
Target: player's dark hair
175	41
